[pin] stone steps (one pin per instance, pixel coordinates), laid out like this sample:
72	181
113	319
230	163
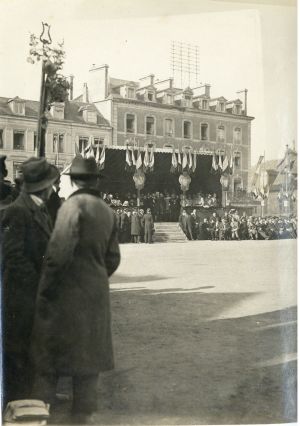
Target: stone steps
169	232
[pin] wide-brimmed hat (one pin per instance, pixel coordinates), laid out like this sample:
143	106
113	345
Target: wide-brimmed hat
38	174
84	168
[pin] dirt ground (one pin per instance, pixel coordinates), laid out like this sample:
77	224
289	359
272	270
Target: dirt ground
204	333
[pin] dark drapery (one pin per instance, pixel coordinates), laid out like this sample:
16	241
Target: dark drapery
117	180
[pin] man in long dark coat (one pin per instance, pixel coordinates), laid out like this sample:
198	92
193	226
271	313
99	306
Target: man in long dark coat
148	225
72	331
26	229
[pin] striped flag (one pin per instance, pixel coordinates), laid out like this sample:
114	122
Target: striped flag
190	160
174	163
179	161
128	160
195	162
139	161
97	157
220	165
133	157
225	165
184	161
102	158
151	162
146	159
254	182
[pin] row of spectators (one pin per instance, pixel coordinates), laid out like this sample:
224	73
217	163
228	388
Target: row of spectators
136	225
164	207
232	226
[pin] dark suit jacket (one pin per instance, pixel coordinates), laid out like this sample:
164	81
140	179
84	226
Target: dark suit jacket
26	232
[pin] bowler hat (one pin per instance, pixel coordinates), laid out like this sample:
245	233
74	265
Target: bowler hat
84	167
38	174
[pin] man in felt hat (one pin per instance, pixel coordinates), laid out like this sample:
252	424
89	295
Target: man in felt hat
26	229
72	331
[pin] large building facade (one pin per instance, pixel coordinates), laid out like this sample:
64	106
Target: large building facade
159	114
71	125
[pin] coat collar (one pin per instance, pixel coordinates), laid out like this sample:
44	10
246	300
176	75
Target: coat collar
38	216
90	191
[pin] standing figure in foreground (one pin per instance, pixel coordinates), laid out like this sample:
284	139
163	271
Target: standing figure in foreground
26	228
148	226
72	331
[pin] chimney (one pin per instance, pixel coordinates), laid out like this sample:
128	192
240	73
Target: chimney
207	90
171	82
98	83
85	94
71	83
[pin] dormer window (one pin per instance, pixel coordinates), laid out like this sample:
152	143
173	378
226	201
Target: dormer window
150	96
130	92
238	109
17	106
204	104
90	116
58	110
169	99
222	106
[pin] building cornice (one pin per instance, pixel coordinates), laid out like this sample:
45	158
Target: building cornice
182	109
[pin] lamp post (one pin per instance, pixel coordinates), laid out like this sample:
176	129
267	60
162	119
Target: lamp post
45	39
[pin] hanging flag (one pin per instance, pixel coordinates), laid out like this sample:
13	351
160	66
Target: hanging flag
190	161
225	165
97	157
77	152
254	182
102	158
90	153
82	151
151	162
128	164
195	162
133	157
174	163
139	161
179	162
230	165
220	164
184	161
214	166
146	159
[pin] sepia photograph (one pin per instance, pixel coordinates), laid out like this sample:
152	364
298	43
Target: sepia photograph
148	212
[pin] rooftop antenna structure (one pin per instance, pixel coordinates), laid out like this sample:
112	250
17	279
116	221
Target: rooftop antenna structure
184	63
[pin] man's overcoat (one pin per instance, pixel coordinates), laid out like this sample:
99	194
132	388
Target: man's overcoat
72	332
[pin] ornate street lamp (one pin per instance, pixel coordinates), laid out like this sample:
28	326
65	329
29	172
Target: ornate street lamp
45	39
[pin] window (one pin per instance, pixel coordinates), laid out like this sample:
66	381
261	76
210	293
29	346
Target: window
83	143
188	101
150	125
34	141
187	130
238	109
169	99
98	141
221	133
237	160
204	132
91	117
16	168
130	123
58	142
19	108
19	140
1	139
168	127
237	135
222	106
130	92
150	96
204	104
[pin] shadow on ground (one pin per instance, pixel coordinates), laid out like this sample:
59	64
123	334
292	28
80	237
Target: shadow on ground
175	364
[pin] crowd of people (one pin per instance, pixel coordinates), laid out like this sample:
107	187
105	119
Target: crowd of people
164	206
232	226
136	225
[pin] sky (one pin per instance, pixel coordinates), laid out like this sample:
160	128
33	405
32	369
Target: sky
241	45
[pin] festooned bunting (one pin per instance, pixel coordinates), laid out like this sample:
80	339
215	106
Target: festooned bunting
174	163
230	165
90	153
102	159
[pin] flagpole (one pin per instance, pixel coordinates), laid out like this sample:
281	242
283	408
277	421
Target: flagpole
263	201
